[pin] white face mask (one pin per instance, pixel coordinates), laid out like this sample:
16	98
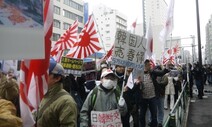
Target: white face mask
108	84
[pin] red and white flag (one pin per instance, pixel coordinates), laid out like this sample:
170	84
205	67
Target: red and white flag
134	26
34	73
169	22
66	41
88	42
152	61
108	56
176	49
168	56
109	53
149	44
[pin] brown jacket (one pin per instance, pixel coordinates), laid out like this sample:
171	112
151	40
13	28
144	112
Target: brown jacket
8	89
8	116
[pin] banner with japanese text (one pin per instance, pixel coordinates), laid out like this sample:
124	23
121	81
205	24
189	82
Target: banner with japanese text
73	66
21	29
129	50
106	119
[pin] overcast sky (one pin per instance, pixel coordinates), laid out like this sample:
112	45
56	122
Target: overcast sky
184	14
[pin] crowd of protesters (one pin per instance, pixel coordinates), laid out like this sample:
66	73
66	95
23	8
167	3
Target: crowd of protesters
67	103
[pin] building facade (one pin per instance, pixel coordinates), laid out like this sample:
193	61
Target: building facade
65	13
107	21
155	11
208	45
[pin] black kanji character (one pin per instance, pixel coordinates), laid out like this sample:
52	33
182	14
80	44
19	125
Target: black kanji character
140	57
133	40
131	54
119	52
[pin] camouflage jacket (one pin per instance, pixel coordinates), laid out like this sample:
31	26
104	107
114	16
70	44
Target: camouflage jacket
61	112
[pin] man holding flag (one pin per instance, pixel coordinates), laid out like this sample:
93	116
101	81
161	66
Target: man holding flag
38	83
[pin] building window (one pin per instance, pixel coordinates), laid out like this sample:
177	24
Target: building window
66	25
56	23
107	25
56	10
80	18
79	29
56	36
72	16
74	5
107	32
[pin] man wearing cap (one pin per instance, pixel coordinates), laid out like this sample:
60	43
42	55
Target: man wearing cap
106	99
103	66
57	108
150	91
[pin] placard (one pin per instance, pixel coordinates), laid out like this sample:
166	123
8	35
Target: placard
21	29
106	119
73	66
129	50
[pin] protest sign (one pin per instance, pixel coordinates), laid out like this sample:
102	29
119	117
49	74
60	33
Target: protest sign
129	50
106	119
21	30
71	65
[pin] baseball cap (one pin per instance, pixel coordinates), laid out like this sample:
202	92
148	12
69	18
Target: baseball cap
107	72
104	64
55	68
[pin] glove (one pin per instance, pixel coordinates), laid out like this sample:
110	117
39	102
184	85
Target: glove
121	102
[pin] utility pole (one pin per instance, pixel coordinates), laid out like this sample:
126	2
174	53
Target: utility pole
144	17
198	34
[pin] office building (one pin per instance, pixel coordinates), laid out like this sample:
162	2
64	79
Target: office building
208	45
107	21
155	10
65	13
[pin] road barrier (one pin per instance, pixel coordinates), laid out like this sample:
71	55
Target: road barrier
178	115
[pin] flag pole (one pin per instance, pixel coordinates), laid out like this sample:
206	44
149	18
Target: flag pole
99	33
144	15
123	84
170	47
100	36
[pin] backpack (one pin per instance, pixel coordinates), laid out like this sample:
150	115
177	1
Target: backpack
79	101
94	95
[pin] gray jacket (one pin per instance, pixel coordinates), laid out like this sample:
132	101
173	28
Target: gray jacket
105	101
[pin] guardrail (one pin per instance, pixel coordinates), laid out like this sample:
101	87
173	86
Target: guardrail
178	115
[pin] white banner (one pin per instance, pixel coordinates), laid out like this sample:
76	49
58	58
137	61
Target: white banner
129	50
21	30
106	119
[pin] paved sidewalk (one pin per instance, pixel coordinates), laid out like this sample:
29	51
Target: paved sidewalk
200	110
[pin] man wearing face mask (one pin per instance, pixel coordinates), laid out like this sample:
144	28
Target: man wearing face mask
105	99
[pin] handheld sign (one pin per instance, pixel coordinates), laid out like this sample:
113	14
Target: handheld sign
106	119
129	50
21	29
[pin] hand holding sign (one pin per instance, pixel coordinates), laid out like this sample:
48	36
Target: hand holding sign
121	102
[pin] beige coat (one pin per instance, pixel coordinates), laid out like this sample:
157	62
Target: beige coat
8	116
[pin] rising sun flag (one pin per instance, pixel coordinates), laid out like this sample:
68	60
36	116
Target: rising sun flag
66	41
88	42
34	73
